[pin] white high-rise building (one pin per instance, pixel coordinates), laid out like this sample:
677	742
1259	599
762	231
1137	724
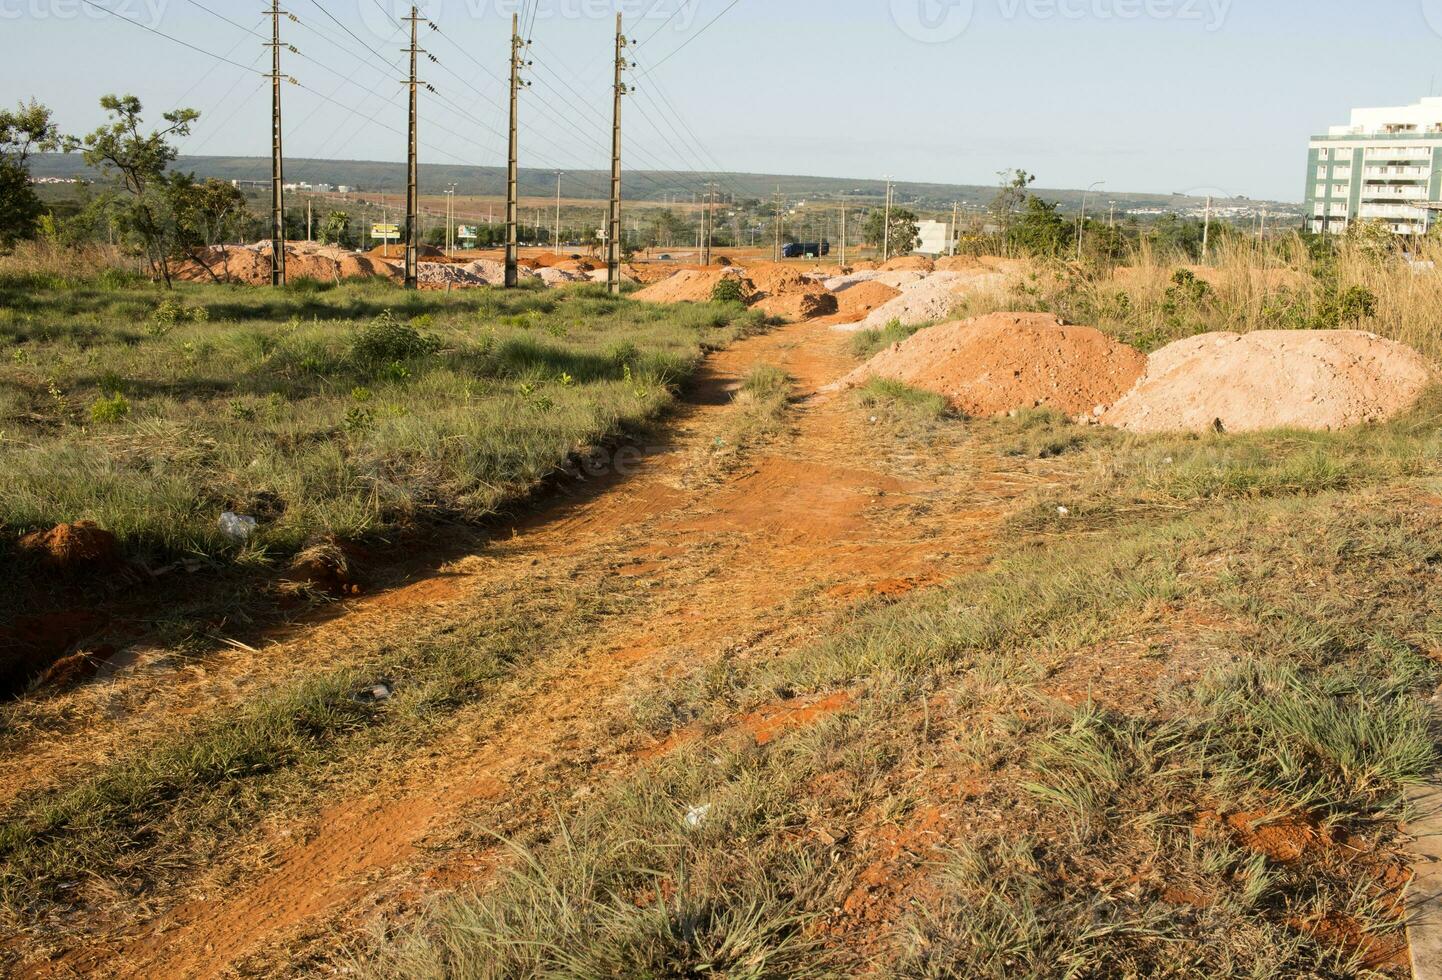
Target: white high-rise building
1385	165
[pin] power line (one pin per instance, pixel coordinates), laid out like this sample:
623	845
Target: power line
693	37
652	36
214	13
169	37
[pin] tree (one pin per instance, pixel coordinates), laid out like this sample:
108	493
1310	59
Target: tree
335	230
27	129
1040	230
1011	197
905	235
139	163
205	214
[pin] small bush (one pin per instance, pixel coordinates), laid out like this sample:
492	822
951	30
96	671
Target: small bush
107	411
728	290
386	341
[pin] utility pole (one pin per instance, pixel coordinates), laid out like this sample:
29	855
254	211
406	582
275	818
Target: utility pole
308	236
1207	229
843	231
557	241
955	209
613	223
777	256
886	230
277	164
413	225
513	249
706	219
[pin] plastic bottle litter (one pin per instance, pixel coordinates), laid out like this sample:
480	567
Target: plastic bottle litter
237	527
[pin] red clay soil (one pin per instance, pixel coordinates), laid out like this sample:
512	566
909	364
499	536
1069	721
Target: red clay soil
688	286
910	263
72	548
252	267
799	305
858	300
743	557
1006	361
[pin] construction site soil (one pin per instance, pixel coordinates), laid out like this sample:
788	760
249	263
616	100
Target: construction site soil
1006	361
1302	379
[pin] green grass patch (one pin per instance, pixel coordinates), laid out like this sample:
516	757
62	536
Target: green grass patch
866	344
350	409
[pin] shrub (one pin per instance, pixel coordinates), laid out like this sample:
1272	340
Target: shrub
107	411
728	290
386	341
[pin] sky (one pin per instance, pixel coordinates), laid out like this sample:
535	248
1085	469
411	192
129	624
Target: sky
1186	96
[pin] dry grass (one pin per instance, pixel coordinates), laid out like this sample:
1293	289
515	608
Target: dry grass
1283	285
1029	778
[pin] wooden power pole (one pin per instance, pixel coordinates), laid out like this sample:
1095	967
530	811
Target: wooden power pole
277	162
706	219
613	223
776	257
513	248
413	225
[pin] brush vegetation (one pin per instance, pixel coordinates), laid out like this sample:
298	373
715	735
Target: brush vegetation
322	411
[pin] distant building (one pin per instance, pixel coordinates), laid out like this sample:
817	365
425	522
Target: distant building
935	238
1385	165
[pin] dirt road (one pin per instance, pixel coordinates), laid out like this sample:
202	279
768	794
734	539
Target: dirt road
750	557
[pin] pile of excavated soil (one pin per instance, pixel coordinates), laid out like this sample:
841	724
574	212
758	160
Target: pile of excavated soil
789	293
82	546
917	263
931	298
977	263
1272	379
1005	361
863	297
555	276
689	286
396	252
799	304
775	279
250	265
441	274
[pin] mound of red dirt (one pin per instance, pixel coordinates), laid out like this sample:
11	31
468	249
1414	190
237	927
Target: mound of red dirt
251	266
862	298
1273	379
688	286
1005	361
798	304
79	547
917	263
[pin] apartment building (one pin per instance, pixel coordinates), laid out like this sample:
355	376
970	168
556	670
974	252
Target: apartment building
1385	165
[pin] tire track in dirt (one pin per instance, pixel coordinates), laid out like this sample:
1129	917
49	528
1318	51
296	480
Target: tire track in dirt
815	514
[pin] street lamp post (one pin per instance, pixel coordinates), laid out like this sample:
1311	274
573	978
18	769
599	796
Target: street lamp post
1081	225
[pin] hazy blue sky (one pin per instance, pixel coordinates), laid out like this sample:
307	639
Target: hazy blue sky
1148	95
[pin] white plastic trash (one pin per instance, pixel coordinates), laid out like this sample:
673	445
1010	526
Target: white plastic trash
237	527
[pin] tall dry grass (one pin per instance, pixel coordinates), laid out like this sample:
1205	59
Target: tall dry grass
58	262
1280	284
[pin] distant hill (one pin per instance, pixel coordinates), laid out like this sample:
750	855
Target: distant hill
639	185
